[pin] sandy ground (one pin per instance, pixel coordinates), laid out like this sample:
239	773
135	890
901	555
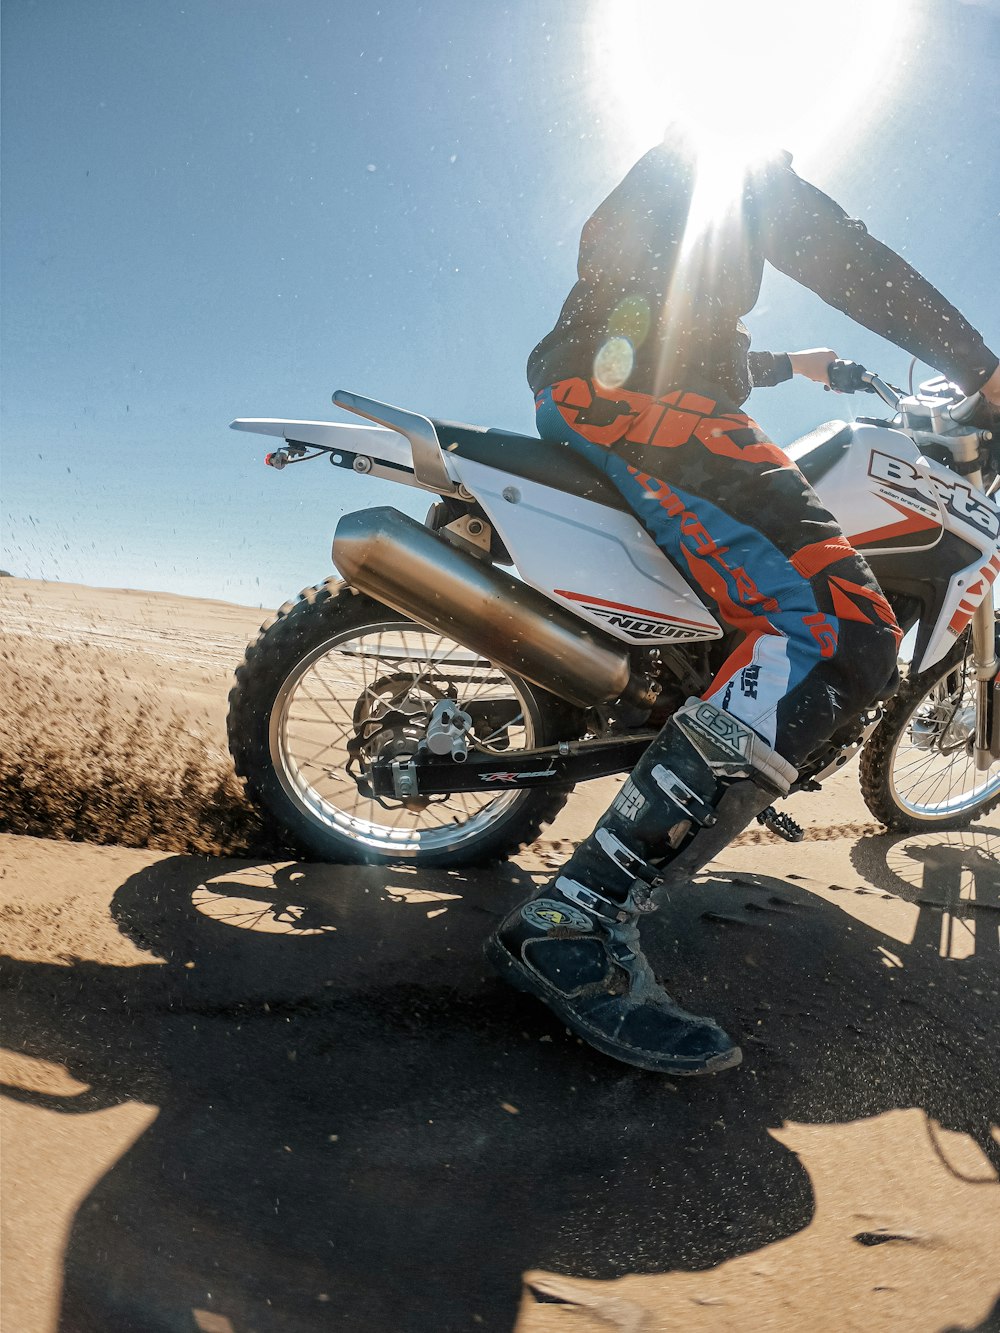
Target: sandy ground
243	1092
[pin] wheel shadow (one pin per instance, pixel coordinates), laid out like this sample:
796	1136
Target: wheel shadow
360	1127
952	879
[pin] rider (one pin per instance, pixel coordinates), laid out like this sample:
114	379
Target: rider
645	373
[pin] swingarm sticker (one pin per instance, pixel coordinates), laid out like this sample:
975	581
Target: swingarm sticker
517	777
923	491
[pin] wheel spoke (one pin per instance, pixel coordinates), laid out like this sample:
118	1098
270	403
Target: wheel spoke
366	674
938	780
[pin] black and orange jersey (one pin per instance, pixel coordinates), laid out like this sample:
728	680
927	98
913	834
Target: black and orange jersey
673	259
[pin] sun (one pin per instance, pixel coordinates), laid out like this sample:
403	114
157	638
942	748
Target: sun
812	78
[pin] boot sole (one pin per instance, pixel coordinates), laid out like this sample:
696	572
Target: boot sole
518	976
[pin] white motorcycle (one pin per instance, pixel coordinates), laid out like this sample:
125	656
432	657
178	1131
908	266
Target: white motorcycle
435	708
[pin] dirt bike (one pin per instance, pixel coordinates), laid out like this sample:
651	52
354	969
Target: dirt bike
432	706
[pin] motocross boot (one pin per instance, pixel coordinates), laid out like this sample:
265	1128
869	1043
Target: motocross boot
575	942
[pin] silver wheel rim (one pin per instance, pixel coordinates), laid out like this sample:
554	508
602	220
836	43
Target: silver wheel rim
314	715
932	772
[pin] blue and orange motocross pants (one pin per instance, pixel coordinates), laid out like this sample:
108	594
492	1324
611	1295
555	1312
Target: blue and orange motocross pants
742	524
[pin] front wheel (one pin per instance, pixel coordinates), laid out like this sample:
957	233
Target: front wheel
918	770
338	680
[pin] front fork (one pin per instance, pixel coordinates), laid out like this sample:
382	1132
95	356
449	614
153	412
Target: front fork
984	656
984	659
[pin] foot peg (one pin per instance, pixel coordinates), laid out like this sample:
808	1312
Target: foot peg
781	824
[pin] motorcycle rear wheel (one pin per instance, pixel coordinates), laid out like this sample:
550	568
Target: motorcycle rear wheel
917	770
336	664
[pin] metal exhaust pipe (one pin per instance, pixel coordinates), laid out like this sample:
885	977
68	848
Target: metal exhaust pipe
398	561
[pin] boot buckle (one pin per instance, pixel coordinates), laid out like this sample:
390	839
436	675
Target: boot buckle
622	856
591	902
682	796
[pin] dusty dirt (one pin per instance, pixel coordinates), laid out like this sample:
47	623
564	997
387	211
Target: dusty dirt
244	1092
112	713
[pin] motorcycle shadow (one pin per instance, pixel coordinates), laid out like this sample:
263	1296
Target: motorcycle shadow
360	1127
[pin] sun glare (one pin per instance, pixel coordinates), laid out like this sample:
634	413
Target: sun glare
777	73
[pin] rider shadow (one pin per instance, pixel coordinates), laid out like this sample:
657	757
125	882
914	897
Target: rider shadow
360	1127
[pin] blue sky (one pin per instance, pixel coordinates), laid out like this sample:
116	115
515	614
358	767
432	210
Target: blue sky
230	208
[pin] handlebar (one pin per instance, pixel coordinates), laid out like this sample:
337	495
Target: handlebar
941	403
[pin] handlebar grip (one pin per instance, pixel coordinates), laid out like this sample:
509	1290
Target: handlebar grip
848	377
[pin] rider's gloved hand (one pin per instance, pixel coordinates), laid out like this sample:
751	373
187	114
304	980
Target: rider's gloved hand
813	363
991	389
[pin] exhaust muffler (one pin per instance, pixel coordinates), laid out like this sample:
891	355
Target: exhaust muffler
398	561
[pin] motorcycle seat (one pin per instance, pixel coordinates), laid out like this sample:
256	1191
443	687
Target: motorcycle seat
557	464
548	462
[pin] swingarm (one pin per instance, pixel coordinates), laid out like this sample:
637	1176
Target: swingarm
416	780
569	762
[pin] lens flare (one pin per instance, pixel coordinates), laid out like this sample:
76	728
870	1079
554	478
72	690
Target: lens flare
613	363
811	78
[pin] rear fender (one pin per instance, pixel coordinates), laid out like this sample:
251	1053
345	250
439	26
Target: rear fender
384	453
